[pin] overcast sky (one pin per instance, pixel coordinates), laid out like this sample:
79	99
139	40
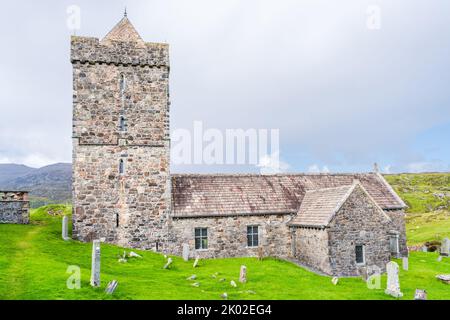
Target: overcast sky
342	94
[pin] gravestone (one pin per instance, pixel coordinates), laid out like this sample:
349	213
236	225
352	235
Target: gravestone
233	284
134	255
393	283
439	259
169	262
65	228
193	277
444	278
111	287
224	296
243	274
445	247
420	294
95	266
335	280
424	249
405	263
195	262
185	252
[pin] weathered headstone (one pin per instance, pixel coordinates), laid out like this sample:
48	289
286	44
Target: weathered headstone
224	296
233	284
243	274
420	294
111	287
185	252
134	255
424	249
444	278
405	263
445	247
393	283
95	266
196	284
65	228
439	259
169	262
335	280
193	277
195	265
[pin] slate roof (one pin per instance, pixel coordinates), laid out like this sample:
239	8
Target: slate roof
319	206
218	195
124	31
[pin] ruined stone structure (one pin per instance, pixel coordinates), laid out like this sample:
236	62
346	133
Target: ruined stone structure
338	224
14	207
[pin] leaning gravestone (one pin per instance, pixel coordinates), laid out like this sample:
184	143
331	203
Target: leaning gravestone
393	283
95	267
445	247
185	252
405	263
420	294
195	262
243	275
65	228
111	287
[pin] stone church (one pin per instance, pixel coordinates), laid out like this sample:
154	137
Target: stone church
337	224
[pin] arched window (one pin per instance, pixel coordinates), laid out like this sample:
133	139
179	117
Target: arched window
122	123
121	167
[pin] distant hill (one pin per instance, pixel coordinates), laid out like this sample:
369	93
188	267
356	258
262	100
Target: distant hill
49	184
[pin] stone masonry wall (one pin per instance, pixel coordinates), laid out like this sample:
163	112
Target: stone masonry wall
311	248
398	220
14	207
114	81
227	236
358	222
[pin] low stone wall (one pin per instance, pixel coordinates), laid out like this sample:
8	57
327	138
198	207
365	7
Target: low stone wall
14	207
227	236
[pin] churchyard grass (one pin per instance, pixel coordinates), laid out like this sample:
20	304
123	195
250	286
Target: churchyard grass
34	260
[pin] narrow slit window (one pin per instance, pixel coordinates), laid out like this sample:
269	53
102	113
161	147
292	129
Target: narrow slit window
123	83
121	167
201	238
122	124
252	236
360	254
117	220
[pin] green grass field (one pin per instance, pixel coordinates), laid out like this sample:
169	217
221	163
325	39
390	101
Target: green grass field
34	260
428	200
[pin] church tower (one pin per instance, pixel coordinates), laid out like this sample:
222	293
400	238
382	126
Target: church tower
121	140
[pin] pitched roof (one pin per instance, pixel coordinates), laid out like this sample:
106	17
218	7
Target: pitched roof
319	206
123	31
218	195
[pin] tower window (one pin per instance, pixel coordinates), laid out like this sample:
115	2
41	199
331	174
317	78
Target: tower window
123	83
121	167
122	123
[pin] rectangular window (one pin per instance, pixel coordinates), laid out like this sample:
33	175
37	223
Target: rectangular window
252	236
201	238
360	259
394	244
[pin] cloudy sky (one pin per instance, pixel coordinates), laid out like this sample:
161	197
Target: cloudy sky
346	88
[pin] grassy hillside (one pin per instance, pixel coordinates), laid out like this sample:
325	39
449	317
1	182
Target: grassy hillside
428	199
34	260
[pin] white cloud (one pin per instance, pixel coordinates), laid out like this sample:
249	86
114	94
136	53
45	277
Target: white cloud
316	169
272	164
428	166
